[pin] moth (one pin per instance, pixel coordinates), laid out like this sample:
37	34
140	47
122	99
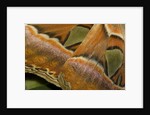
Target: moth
77	56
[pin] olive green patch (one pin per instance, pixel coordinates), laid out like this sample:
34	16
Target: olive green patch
77	35
33	82
114	60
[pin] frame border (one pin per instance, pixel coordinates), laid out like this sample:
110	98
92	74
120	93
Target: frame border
25	3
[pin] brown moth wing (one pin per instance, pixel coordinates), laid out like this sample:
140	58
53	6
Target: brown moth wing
60	31
44	56
115	42
117	39
116	30
95	53
86	75
85	69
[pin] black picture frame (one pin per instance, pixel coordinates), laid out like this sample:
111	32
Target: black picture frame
109	3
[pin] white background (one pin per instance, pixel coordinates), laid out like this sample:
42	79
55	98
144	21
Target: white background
18	97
